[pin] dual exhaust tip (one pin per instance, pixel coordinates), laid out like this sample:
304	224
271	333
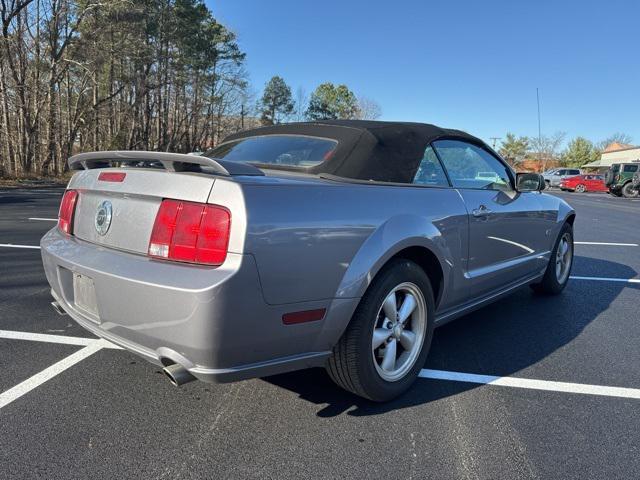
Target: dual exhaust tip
178	375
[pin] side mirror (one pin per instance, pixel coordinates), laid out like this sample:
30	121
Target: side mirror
529	182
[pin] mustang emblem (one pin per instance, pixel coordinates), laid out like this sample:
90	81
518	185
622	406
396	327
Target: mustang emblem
103	217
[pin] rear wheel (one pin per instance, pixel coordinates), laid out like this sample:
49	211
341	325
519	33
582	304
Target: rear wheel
556	276
628	191
387	341
580	188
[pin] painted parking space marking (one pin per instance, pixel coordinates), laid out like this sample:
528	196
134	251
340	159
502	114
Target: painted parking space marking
532	384
91	346
38	219
606	279
608	244
11	245
48	338
48	373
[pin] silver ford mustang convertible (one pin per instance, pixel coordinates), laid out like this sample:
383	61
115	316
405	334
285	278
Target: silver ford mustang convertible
339	244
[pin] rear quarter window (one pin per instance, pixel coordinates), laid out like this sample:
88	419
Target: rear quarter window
277	150
630	168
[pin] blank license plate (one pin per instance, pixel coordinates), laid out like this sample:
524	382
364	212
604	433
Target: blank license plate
84	294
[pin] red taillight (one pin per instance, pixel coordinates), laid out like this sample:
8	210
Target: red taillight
67	209
111	176
190	232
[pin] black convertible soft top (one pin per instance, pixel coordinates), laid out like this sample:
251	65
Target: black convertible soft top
368	150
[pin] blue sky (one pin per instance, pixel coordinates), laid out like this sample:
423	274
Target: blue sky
473	65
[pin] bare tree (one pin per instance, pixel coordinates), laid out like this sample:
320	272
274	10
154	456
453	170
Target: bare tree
617	137
368	109
85	74
547	148
301	104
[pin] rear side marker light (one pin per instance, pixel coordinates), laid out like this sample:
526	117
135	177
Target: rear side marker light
190	232
67	210
112	176
294	318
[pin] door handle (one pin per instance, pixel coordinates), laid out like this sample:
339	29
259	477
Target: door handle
481	211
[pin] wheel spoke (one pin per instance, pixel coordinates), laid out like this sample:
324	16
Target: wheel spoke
389	307
407	308
389	360
379	336
565	247
407	339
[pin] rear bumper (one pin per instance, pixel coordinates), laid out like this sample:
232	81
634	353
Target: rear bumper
212	321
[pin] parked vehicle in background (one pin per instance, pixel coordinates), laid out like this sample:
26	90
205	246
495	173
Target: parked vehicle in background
547	175
584	183
340	244
619	178
636	181
556	177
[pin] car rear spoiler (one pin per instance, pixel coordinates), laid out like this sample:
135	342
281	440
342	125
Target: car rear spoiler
172	162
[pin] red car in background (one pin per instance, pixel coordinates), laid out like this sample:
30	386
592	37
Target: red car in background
584	183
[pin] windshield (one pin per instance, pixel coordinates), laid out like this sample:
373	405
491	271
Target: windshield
278	150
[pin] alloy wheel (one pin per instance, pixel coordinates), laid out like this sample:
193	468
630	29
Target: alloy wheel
564	257
399	331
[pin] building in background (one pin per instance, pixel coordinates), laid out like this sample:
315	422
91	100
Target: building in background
615	153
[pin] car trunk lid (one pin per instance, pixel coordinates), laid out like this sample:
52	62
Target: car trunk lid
131	204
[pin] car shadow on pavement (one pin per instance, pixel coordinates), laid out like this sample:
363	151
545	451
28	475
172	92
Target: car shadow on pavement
501	339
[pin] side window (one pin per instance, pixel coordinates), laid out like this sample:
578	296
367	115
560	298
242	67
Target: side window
630	168
574	172
470	166
430	171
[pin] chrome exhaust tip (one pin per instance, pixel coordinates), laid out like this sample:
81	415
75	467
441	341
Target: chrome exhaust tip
56	306
178	375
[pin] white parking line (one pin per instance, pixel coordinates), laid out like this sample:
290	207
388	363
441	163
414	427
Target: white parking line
606	279
93	346
48	373
11	245
608	243
516	382
48	338
43	219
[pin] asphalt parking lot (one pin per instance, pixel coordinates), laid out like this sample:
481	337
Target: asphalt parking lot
563	399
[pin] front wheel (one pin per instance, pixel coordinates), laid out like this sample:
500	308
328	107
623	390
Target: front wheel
581	188
628	191
387	341
556	276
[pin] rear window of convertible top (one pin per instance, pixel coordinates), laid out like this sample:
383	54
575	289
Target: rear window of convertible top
277	150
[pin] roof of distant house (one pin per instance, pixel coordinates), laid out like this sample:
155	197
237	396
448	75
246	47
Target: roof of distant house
617	146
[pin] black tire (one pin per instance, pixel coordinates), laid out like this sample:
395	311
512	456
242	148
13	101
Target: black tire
550	285
351	365
608	177
628	191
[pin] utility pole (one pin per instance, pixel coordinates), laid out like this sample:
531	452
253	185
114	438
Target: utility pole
542	162
242	116
494	140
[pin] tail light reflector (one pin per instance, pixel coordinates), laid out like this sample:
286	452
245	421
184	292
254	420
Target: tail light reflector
190	232
67	209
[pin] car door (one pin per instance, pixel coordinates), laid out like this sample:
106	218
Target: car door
507	229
